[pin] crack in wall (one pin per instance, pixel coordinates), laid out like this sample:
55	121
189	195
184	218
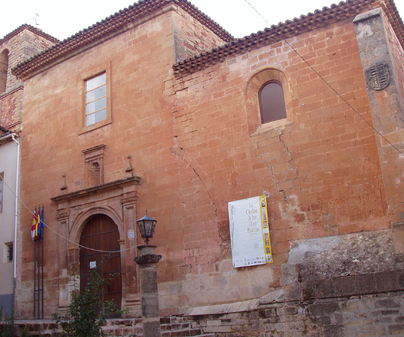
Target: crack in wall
289	206
289	154
179	153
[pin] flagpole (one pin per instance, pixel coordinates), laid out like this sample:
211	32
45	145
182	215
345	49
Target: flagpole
37	229
38	254
34	280
42	257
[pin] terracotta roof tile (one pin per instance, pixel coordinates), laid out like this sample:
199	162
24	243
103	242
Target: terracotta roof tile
305	23
30	28
107	28
3	129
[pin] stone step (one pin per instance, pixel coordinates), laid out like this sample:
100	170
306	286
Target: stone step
174	326
123	322
181	333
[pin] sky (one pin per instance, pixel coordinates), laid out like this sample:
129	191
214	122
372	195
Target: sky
62	19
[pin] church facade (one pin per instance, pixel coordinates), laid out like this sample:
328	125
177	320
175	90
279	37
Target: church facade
158	108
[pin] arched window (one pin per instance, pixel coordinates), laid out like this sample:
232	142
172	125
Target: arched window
272	102
268	99
3	70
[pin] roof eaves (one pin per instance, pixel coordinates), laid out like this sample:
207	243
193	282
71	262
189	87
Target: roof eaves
106	28
3	129
30	28
282	31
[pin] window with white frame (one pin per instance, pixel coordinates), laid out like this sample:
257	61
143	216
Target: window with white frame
96	99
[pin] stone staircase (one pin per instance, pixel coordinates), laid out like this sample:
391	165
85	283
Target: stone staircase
173	326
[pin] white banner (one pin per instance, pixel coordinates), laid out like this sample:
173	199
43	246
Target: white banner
249	232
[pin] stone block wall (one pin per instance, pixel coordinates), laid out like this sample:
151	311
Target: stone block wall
350	285
319	167
191	37
377	315
21	45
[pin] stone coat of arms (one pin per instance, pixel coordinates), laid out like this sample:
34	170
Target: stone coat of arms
378	76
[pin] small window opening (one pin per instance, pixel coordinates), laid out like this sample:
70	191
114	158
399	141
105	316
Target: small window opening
3	70
272	102
8	252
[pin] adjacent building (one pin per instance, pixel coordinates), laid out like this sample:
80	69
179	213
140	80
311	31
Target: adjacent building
16	47
8	220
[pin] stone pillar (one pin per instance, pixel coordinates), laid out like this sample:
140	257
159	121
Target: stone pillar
147	262
62	216
129	223
381	55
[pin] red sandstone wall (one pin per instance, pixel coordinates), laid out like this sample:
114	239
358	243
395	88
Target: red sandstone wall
140	63
321	171
191	37
191	143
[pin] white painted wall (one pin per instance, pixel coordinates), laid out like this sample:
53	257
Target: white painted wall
8	165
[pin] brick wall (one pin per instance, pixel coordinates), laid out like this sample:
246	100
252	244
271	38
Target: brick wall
11	108
21	47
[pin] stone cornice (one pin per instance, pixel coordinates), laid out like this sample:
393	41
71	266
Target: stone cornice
107	28
96	189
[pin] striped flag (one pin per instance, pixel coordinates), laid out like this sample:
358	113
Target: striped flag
38	224
41	223
35	225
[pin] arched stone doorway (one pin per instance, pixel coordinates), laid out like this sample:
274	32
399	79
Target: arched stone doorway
101	235
115	201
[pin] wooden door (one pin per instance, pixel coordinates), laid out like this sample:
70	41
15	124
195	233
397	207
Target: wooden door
101	233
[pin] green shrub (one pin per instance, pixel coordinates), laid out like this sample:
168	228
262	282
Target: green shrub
7	327
85	311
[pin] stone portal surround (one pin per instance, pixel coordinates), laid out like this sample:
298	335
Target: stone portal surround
116	200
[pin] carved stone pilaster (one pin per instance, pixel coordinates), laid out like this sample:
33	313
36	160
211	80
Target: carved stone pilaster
62	214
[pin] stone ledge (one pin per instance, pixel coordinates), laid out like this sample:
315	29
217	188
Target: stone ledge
367	15
347	286
91	190
224	308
